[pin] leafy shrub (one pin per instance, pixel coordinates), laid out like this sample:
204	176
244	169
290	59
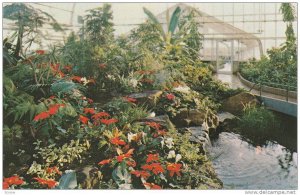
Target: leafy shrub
200	79
257	123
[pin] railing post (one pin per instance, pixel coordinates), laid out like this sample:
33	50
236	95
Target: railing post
260	89
287	93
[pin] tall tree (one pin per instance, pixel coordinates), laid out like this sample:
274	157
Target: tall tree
29	20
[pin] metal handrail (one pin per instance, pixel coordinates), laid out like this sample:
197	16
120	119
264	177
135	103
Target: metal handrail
282	86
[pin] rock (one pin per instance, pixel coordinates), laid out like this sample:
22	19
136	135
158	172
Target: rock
187	118
212	122
89	177
223	116
200	135
236	103
162	120
227	121
148	98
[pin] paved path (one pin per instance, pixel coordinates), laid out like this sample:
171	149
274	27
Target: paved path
234	82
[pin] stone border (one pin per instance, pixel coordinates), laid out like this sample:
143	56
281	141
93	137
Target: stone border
272	90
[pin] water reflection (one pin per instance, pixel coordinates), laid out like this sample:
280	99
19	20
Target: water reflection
241	165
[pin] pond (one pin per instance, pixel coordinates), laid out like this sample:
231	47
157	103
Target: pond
242	164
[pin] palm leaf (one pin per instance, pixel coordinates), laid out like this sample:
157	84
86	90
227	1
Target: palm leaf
174	20
154	20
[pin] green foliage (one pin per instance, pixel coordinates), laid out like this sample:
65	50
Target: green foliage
280	65
256	123
182	101
45	105
80	54
200	79
174	20
61	156
99	26
28	20
288	12
156	23
147	36
62	86
126	112
189	29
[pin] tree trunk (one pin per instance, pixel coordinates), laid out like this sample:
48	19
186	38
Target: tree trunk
20	38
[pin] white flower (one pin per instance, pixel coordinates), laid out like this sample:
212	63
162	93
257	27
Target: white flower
152	114
111	77
131	136
183	89
171	154
178	157
169	143
84	80
162	142
133	82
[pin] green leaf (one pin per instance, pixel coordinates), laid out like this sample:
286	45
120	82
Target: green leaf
174	20
154	20
69	110
63	86
122	177
68	180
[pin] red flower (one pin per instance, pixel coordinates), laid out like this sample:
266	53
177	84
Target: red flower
154	125
121	157
54	108
89	110
152	157
52	97
104	162
100	115
5	185
156	168
117	141
83	119
13	180
152	186
147	167
55	67
61	74
68	68
40	52
76	78
170	96
174	168
129	99
160	132
50	183
53	169
102	66
42	115
131	163
143	174
108	121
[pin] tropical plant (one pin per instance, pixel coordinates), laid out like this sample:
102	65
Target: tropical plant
99	26
29	20
279	68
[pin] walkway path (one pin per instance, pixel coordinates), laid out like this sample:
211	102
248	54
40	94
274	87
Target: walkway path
234	82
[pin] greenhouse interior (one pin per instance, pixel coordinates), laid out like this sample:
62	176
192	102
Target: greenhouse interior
150	96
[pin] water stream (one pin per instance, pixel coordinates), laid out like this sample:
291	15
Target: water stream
242	164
